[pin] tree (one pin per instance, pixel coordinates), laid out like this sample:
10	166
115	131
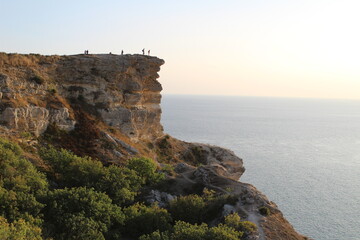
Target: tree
184	230
20	184
145	168
141	219
224	232
81	213
189	208
19	230
120	183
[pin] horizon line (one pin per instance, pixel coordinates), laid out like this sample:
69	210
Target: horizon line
252	96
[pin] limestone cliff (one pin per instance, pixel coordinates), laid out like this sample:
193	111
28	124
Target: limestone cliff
108	106
123	90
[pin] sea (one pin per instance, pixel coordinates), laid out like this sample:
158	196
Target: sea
304	154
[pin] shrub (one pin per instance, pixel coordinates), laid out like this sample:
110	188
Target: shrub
19	230
264	211
233	221
224	232
20	184
197	209
141	219
120	183
80	213
168	169
183	230
189	208
157	235
38	79
145	168
247	227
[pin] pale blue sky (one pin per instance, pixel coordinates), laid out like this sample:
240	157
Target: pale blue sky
230	47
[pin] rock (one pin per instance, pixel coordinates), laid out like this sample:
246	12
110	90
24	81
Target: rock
122	89
223	161
228	209
61	118
4	80
35	119
118	154
183	167
117	142
161	198
126	146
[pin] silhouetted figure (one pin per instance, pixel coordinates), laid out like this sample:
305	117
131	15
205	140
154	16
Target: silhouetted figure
143	51
110	53
149	52
122	52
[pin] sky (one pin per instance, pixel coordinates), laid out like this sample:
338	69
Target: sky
281	48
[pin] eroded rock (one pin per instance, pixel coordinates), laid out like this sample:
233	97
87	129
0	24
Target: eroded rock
36	119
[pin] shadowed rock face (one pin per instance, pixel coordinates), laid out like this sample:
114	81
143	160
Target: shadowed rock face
122	90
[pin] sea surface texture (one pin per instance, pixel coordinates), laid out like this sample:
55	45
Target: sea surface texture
304	154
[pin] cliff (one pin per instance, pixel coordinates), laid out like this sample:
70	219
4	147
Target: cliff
108	107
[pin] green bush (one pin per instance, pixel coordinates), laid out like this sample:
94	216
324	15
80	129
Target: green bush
20	184
141	219
80	213
19	230
224	232
157	235
247	227
214	204
146	168
197	209
234	221
264	211
183	230
189	208
120	183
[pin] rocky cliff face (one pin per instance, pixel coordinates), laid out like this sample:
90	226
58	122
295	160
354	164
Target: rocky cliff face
122	90
108	107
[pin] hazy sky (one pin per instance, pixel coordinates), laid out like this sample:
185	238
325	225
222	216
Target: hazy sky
229	47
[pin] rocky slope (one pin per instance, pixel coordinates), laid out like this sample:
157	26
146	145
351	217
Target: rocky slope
108	107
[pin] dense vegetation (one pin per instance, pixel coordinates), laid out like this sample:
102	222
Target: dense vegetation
80	198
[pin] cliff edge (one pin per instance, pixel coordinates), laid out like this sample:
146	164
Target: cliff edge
108	107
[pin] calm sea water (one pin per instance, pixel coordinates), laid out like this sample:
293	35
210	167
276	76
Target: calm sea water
303	154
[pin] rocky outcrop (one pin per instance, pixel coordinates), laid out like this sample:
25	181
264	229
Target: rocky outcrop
247	201
221	161
36	119
122	90
19	114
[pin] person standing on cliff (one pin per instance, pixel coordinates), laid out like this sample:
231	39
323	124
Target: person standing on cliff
122	52
149	52
143	51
